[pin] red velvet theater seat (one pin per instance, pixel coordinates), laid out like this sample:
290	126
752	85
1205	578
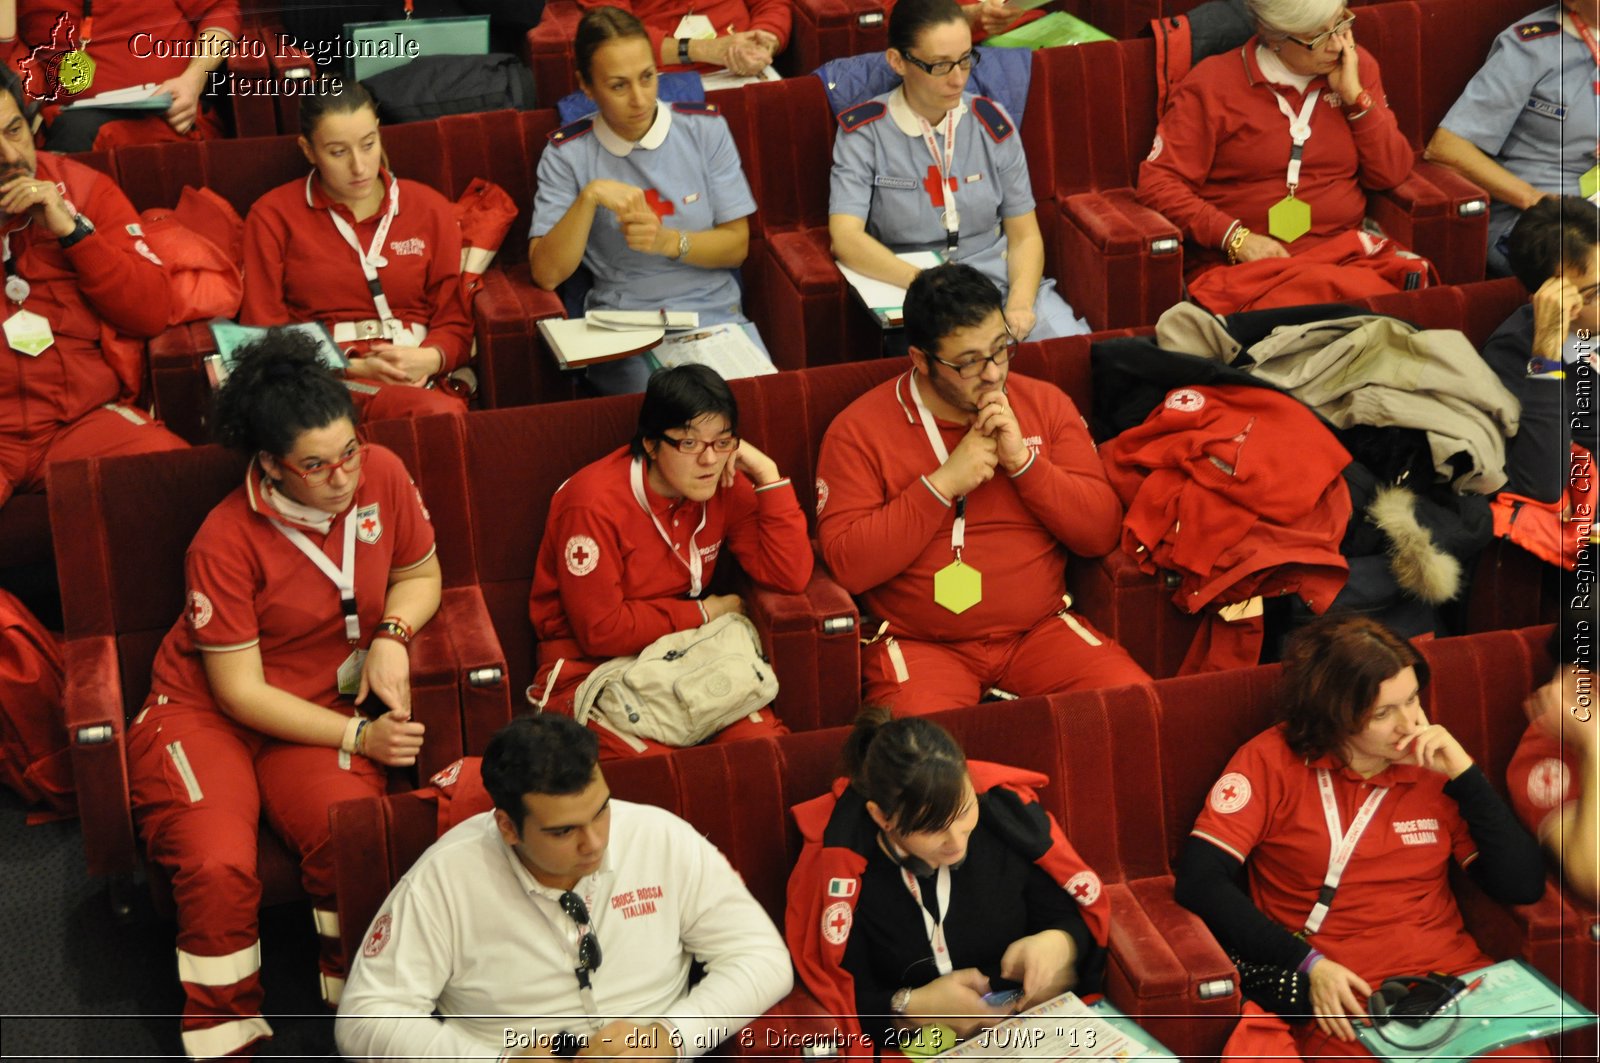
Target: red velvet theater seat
122	586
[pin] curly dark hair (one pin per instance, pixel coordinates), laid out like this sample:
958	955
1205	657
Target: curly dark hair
1332	669
279	388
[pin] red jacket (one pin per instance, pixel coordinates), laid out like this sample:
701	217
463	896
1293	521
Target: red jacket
825	884
103	296
661	17
1222	153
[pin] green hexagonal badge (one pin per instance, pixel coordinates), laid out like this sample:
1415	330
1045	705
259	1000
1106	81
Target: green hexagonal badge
1289	219
958	587
1589	183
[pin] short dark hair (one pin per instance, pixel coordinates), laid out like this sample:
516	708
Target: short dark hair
599	25
342	97
910	768
279	388
676	396
1554	234
910	17
946	298
1332	669
13	85
542	754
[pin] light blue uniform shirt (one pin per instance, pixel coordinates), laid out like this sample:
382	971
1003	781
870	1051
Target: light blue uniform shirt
1532	108
881	173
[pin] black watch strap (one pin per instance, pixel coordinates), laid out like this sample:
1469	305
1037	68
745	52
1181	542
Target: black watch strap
683	51
81	227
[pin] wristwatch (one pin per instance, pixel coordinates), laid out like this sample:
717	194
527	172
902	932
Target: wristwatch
683	51
900	1001
81	227
683	243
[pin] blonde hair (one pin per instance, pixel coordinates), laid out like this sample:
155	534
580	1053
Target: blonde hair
1280	17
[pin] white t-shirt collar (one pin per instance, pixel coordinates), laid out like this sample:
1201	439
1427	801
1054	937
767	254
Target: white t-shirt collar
908	121
652	139
1273	70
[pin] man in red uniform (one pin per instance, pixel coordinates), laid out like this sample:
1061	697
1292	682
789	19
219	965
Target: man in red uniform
171	44
948	499
82	291
1554	776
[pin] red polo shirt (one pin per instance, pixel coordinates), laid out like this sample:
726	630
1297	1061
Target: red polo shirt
1394	912
1539	777
249	585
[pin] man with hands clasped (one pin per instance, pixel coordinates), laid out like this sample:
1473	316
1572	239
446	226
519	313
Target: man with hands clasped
948	500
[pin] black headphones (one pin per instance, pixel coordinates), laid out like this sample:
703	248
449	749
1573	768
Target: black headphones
1412	1000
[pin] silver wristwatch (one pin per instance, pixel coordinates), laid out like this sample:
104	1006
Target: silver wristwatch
900	1001
683	243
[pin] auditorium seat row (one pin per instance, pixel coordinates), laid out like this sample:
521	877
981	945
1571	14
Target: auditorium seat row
488	479
1129	770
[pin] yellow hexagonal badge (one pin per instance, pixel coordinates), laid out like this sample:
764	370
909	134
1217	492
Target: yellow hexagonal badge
1289	219
958	587
1589	183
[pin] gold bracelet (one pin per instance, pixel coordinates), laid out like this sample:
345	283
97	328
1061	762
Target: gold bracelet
1235	242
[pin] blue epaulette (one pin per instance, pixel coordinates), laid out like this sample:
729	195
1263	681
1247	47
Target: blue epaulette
992	118
1532	31
570	132
854	118
689	107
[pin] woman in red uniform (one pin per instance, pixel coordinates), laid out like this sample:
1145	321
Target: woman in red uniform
633	540
305	586
313	247
1355	750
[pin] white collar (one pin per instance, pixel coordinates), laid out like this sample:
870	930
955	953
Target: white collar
318	520
588	884
1273	69
652	139
908	121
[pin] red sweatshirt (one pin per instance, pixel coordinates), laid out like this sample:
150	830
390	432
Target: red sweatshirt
606	583
109	280
884	532
298	268
661	17
1222	153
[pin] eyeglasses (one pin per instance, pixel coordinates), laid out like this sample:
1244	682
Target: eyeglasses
940	69
691	445
1322	38
588	944
350	463
974	367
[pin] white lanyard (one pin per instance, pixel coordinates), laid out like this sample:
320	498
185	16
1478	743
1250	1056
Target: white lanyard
958	527
17	289
934	927
1341	843
693	564
1584	31
1299	129
372	258
343	578
952	217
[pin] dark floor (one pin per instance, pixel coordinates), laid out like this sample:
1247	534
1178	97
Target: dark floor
75	983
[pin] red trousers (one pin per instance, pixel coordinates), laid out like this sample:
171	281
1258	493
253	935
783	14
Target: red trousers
1061	652
383	402
201	786
110	429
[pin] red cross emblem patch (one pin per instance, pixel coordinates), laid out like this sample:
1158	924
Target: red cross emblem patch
1084	887
1231	793
582	554
369	527
381	932
836	919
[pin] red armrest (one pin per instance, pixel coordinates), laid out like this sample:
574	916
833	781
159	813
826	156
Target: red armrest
550	51
514	369
830	29
1134	608
812	317
94	718
178	379
458	685
1441	216
1168	971
1119	263
814	644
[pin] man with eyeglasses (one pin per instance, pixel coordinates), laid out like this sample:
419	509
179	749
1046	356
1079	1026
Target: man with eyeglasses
562	923
950	498
1544	353
1527	123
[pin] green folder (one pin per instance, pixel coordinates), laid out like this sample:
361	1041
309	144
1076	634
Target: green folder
1514	1004
373	47
1056	28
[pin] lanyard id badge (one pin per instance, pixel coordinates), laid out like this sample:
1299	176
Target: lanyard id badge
934	927
1589	183
371	257
343	579
941	187
692	563
1290	217
1341	844
958	586
26	332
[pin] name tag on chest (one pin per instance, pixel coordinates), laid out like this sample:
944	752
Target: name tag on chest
885	181
1548	108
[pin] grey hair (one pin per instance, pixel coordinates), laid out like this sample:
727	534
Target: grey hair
1279	17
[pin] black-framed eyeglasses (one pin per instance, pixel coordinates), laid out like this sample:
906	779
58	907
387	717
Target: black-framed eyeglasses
1322	38
690	445
944	66
974	367
589	944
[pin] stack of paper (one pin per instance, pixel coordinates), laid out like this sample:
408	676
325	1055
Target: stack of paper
885	300
1054	29
134	98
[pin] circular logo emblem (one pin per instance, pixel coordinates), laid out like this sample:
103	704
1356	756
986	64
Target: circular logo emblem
1547	783
77	72
1231	793
199	610
1188	400
382	930
1084	887
1155	149
836	920
822	494
582	554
